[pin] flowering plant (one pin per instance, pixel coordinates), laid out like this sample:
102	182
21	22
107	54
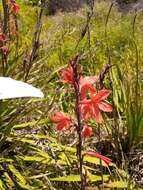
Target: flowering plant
89	104
9	31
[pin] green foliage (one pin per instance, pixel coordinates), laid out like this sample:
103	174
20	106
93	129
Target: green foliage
76	178
32	156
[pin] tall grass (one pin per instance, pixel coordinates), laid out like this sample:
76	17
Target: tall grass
32	156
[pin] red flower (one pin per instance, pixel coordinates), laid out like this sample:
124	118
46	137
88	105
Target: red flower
87	131
67	75
91	108
4	50
97	155
86	83
15	8
2	37
63	121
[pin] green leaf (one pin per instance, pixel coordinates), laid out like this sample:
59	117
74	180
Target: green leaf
39	176
76	178
32	158
26	140
64	148
94	178
2	185
117	184
17	174
42	153
20	178
5	160
31	124
69	178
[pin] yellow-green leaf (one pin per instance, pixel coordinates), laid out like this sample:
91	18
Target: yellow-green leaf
117	184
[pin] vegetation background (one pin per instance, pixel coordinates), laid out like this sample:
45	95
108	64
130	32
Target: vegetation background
44	39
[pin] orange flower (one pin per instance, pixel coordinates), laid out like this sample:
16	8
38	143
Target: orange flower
64	122
86	83
97	155
67	75
87	131
91	108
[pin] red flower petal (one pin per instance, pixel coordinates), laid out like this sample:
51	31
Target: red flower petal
16	8
106	107
85	101
101	95
86	85
67	75
88	80
59	127
97	114
86	111
86	88
57	117
97	155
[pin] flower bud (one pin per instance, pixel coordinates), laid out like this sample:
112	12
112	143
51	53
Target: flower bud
87	131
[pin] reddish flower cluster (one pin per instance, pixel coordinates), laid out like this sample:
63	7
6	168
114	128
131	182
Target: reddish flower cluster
90	107
3	47
15	6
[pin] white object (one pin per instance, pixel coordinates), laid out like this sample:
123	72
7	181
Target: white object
10	88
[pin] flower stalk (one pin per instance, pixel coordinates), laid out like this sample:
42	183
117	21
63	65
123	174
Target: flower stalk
79	127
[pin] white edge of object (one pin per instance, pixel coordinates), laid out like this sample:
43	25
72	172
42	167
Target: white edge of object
10	88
